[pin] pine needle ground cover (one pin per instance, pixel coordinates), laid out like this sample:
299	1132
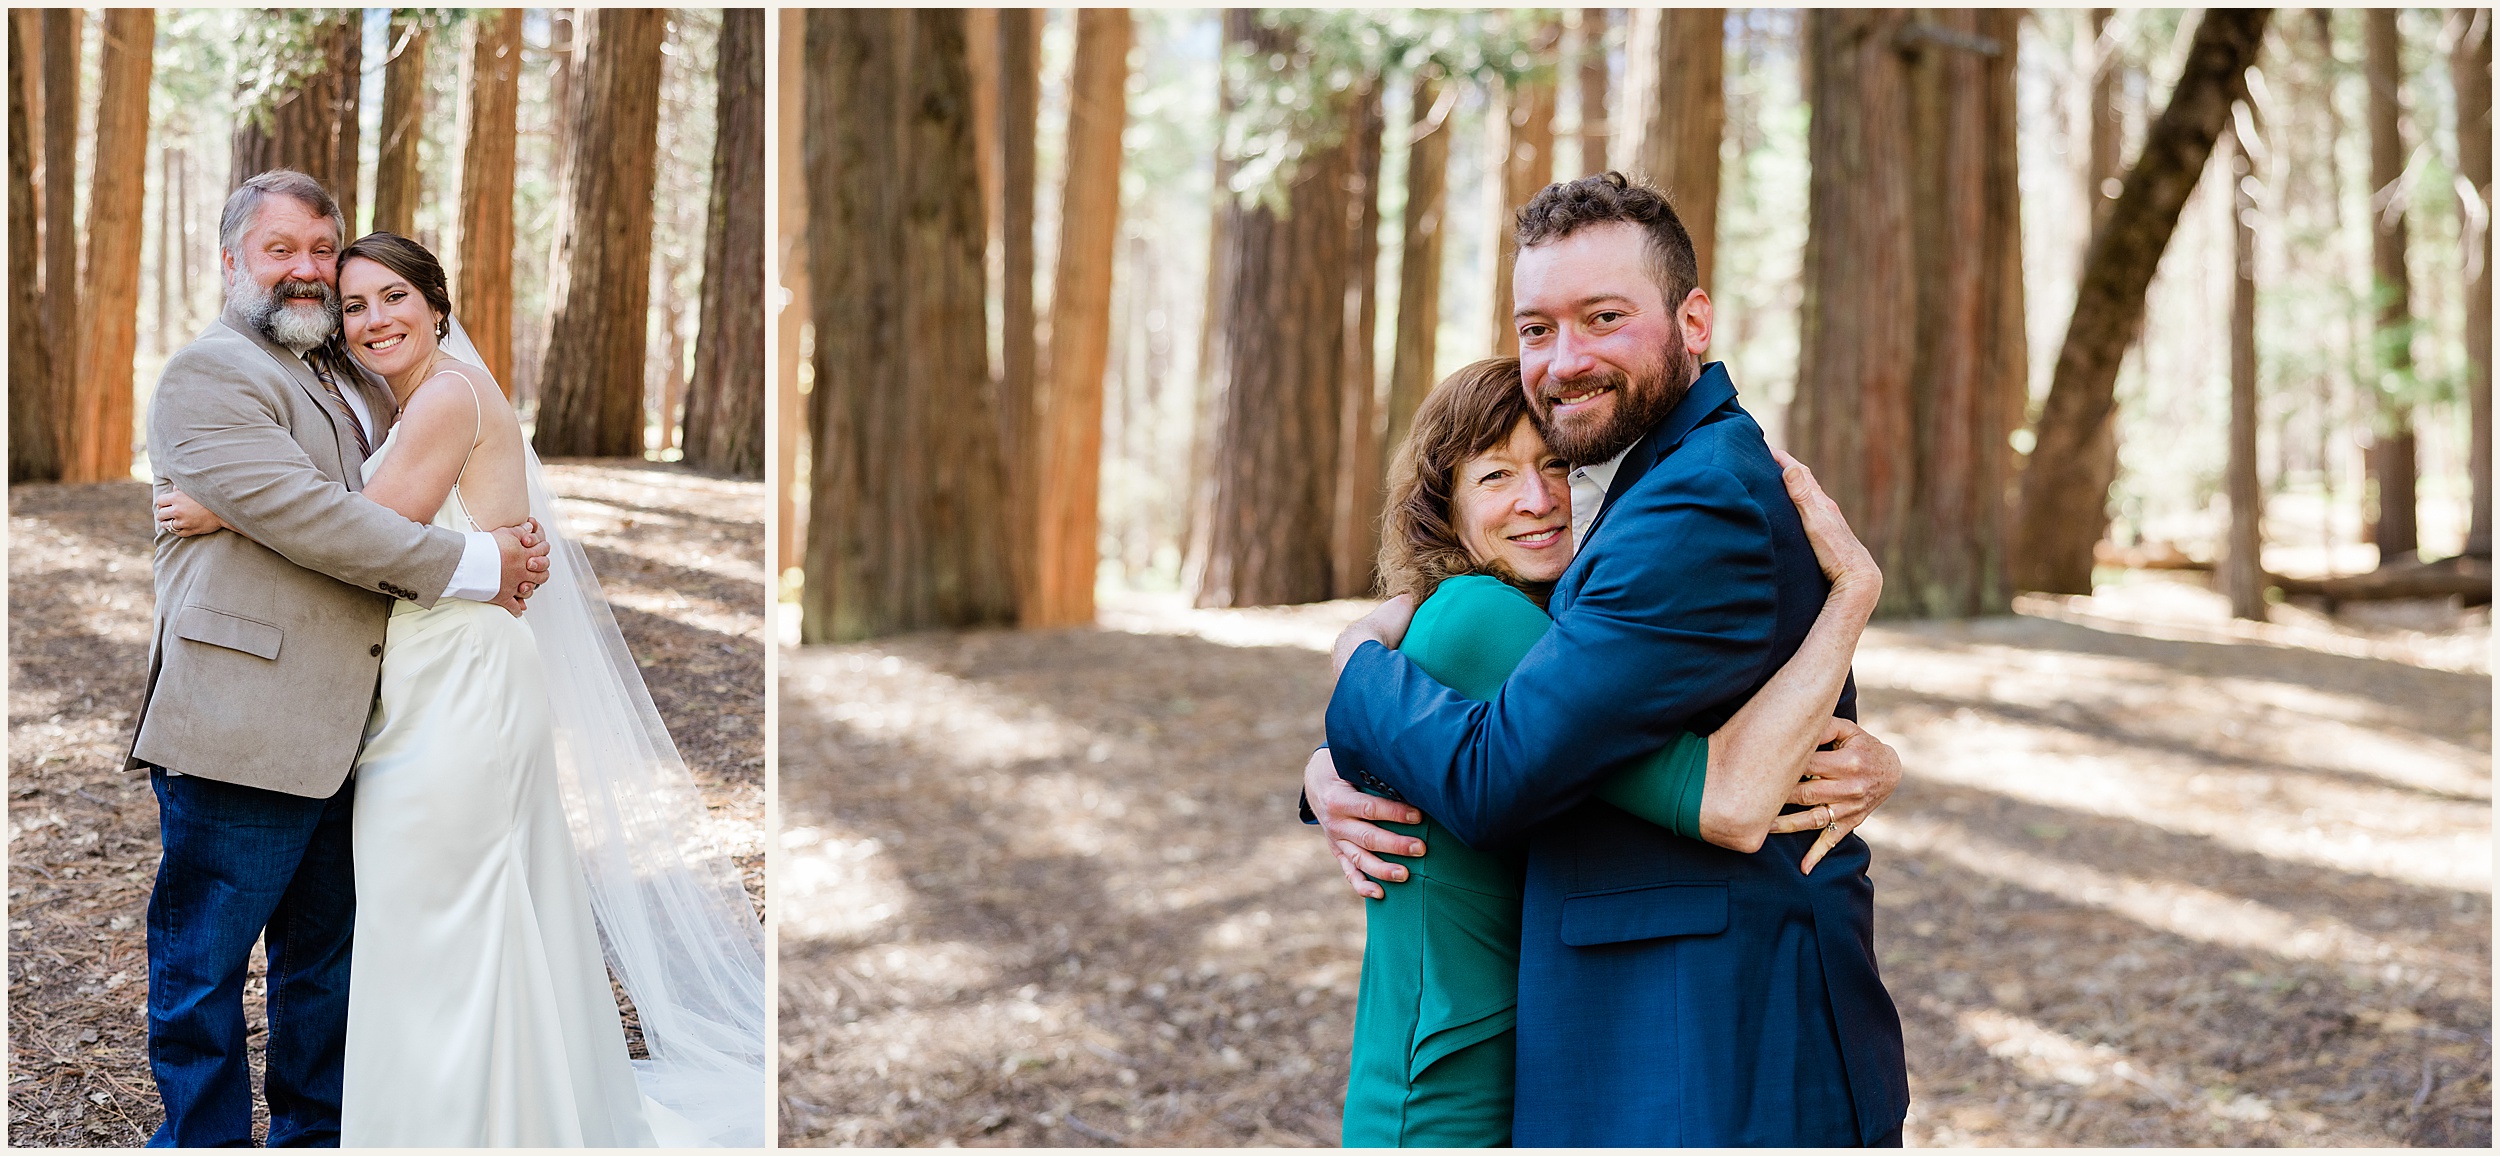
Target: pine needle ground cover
681	557
2140	885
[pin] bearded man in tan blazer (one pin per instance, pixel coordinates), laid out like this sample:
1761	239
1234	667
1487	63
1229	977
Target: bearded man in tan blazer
262	667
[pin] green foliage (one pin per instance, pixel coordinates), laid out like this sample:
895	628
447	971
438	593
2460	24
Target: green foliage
1292	102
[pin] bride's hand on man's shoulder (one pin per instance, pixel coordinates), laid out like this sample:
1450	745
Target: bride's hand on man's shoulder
179	515
1844	559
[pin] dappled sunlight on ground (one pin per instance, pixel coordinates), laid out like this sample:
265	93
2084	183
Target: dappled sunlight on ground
1047	888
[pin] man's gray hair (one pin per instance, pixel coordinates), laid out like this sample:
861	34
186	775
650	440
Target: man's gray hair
243	205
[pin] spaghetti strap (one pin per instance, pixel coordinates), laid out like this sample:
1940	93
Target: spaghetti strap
477	429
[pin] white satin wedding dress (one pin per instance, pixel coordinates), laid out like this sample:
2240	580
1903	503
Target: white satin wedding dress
478	1012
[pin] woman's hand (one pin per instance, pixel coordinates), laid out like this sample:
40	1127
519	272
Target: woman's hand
1844	559
178	515
1841	788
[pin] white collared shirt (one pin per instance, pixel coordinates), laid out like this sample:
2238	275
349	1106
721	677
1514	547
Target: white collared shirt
479	577
1588	495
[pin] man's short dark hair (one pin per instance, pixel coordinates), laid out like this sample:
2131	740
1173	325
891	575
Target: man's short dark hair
1566	207
243	205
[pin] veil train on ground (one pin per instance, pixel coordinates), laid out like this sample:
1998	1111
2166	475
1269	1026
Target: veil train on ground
676	927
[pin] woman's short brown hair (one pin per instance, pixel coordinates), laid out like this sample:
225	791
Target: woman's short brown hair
1471	411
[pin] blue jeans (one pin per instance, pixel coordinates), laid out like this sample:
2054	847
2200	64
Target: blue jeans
243	864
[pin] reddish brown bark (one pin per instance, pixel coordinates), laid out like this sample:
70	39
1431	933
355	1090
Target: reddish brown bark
2064	492
1679	97
102	424
724	428
1354	541
396	179
1067	446
481	271
1523	151
33	455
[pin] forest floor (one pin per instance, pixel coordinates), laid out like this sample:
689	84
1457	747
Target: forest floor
2152	878
681	556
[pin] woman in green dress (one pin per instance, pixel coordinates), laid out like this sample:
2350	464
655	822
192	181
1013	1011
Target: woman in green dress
1478	528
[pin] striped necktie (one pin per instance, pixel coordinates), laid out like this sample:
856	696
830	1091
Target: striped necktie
363	445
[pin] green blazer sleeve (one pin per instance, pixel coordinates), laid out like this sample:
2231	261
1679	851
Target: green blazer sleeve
217	434
1470	635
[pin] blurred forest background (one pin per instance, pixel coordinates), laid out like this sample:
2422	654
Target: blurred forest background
2149	350
1216	259
592	180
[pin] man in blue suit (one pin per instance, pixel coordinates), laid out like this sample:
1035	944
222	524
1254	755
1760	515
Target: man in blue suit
1670	992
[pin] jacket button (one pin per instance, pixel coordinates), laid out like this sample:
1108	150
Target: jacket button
376	651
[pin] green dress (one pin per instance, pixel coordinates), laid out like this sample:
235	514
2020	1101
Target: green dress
1434	1018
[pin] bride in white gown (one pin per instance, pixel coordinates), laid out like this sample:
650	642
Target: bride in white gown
519	808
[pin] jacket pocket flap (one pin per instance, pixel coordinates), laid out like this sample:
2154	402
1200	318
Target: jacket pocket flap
1644	913
218	628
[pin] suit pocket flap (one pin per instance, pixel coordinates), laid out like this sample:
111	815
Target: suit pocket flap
1644	913
218	628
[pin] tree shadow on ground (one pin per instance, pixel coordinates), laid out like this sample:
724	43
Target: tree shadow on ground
1048	888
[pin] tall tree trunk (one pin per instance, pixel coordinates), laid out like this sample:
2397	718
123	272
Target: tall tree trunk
2064	493
1678	102
1019	48
1355	540
2392	466
600	286
2469	70
1967	377
310	126
1595	128
564	82
1852	419
1067	446
489	125
182	197
32	455
2242	573
2106	166
796	305
1419	261
1272	457
101	412
725	413
63	31
166	241
1523	152
906	516
396	182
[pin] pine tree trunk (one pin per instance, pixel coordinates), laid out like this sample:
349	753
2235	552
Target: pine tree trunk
396	181
725	413
790	193
311	125
481	271
2107	165
1523	152
1419	263
1019	367
600	286
1967	375
2469	69
1679	101
1067	448
2392	466
1852	417
565	31
63	31
1594	127
2064	492
101	418
1271	459
32	455
1354	543
906	516
2242	574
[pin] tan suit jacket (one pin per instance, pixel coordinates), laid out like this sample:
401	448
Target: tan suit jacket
267	648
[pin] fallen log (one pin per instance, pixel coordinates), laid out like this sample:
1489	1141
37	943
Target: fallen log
2468	578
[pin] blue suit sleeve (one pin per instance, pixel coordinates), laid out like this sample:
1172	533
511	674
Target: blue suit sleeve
1676	616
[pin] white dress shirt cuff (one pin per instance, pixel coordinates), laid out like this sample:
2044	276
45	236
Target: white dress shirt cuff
480	574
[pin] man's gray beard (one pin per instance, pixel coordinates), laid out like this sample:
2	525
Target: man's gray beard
288	327
1636	412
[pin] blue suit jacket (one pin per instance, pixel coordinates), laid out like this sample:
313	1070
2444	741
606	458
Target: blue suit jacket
1670	992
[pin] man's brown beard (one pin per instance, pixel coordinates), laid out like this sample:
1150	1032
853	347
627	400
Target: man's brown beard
1636	411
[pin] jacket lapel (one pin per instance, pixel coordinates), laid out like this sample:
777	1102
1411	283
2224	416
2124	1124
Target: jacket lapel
1710	391
350	459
